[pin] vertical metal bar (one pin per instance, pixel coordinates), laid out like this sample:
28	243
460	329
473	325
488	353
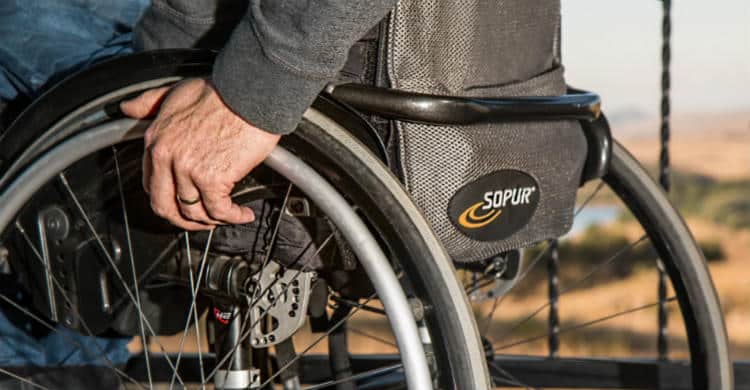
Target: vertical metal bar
553	340
338	351
666	29
662	345
664	169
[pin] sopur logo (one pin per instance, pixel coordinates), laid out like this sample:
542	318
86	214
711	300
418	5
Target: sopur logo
494	206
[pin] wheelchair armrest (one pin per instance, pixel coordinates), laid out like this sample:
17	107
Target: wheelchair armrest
453	110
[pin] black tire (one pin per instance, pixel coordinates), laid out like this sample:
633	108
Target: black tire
686	268
685	264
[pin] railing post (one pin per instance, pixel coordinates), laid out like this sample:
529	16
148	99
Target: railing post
664	169
553	340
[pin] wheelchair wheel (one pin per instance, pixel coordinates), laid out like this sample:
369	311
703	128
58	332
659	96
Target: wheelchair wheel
336	237
589	317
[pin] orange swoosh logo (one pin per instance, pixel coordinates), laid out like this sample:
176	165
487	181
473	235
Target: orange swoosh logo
470	220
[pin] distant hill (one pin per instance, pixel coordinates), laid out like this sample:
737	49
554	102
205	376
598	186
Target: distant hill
714	145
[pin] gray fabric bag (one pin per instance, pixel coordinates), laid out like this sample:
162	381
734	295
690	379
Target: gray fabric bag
486	189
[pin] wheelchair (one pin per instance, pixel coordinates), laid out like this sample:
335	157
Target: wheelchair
78	230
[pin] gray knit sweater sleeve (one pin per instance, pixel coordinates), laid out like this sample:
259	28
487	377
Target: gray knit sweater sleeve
282	53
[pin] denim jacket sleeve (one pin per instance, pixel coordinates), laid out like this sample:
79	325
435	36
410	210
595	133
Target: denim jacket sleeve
282	53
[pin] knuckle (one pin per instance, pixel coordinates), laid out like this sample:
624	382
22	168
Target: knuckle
191	214
159	153
151	132
217	213
203	181
148	136
182	164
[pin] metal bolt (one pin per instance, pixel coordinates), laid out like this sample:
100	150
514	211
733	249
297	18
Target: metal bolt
417	308
56	223
53	224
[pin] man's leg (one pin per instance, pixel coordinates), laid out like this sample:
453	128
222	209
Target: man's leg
43	41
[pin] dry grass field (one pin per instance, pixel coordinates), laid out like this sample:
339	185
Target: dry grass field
715	145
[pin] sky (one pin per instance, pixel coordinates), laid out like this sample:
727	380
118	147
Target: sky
613	47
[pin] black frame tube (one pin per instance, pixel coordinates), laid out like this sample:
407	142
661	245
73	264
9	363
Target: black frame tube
453	110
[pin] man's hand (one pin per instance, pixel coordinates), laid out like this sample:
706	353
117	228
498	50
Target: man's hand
196	150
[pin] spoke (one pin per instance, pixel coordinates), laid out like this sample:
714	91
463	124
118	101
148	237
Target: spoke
603	264
362	375
351	303
116	270
272	243
523	275
22	379
470	287
584	324
533	263
485	281
588	199
371	336
266	259
617	255
508	377
102	354
153	264
26	237
474	285
67	338
193	311
136	283
314	343
244	331
488	319
197	320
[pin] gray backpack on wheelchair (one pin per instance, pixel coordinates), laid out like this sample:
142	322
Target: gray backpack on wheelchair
486	186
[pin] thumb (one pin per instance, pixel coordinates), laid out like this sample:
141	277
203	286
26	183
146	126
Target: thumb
145	105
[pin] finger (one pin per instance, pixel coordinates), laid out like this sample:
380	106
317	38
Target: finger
146	104
187	191
219	206
162	192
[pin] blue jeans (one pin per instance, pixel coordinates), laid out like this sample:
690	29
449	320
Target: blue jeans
43	41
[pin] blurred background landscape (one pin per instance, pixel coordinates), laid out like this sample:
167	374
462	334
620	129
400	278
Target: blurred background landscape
614	48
